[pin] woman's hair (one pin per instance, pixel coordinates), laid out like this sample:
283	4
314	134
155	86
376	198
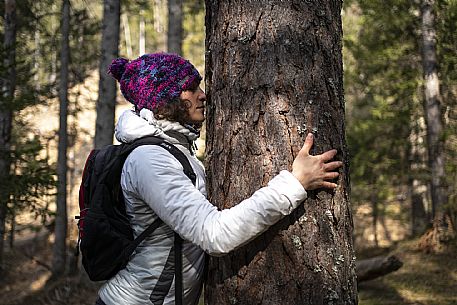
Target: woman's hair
177	110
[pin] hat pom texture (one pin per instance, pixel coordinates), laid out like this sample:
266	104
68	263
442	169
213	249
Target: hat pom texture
117	67
153	80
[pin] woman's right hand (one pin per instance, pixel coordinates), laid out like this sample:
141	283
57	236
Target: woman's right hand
314	171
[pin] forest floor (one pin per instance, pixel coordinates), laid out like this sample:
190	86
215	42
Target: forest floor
424	279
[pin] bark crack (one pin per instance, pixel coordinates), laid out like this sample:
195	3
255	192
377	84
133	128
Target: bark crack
289	136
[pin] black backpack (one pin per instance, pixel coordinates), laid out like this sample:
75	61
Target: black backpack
105	236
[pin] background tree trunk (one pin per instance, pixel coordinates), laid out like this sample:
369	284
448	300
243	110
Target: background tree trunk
434	120
274	73
104	125
128	37
416	189
8	84
60	230
175	31
142	35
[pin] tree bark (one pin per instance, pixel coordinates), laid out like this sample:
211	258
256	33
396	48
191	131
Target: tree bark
104	125
60	230
8	84
175	31
274	72
434	119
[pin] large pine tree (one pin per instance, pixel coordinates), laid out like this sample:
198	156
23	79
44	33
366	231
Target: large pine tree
274	73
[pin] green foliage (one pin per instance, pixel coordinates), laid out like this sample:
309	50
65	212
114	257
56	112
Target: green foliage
383	85
381	79
32	183
194	32
31	186
447	46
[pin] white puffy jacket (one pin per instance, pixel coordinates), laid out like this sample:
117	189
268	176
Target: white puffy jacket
154	185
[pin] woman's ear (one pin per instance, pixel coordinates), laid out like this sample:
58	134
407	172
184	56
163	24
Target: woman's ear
187	103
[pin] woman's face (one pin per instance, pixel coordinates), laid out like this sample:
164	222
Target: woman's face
195	102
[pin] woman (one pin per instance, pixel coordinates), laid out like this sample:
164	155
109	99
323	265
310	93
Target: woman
169	103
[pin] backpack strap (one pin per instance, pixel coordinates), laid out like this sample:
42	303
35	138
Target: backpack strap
189	172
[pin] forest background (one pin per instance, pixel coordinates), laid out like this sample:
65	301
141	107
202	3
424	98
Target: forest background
386	120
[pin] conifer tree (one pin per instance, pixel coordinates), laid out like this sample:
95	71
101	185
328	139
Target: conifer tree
274	73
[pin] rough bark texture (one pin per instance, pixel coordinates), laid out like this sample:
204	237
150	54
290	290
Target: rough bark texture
174	38
6	115
369	269
432	106
434	120
104	125
60	230
274	72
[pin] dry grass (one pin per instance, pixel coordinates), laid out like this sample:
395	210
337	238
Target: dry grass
424	279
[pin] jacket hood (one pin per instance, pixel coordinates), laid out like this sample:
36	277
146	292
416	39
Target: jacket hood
131	126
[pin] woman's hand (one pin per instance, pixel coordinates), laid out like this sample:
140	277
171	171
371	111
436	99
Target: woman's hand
313	171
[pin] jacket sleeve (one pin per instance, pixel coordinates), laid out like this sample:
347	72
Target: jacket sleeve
158	179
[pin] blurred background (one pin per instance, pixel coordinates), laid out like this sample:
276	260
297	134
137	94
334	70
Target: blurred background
403	176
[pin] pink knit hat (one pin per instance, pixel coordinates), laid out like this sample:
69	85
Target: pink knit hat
153	80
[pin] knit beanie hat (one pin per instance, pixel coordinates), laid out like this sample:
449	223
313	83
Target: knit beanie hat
153	80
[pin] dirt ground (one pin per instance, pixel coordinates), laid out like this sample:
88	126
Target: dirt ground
424	279
26	275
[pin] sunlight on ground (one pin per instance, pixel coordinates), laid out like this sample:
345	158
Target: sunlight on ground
424	279
39	282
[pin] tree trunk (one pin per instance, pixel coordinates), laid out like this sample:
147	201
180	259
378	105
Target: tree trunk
433	114
274	72
375	212
416	188
60	230
8	84
128	36
104	125
175	32
418	214
142	34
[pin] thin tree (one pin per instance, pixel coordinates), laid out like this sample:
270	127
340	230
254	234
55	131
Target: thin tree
104	125
60	231
127	35
175	31
8	84
274	73
142	34
434	120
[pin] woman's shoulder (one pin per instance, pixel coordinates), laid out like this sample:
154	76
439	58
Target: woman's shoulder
152	154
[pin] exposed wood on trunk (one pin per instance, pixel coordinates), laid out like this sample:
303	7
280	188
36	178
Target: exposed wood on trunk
375	267
104	125
274	72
